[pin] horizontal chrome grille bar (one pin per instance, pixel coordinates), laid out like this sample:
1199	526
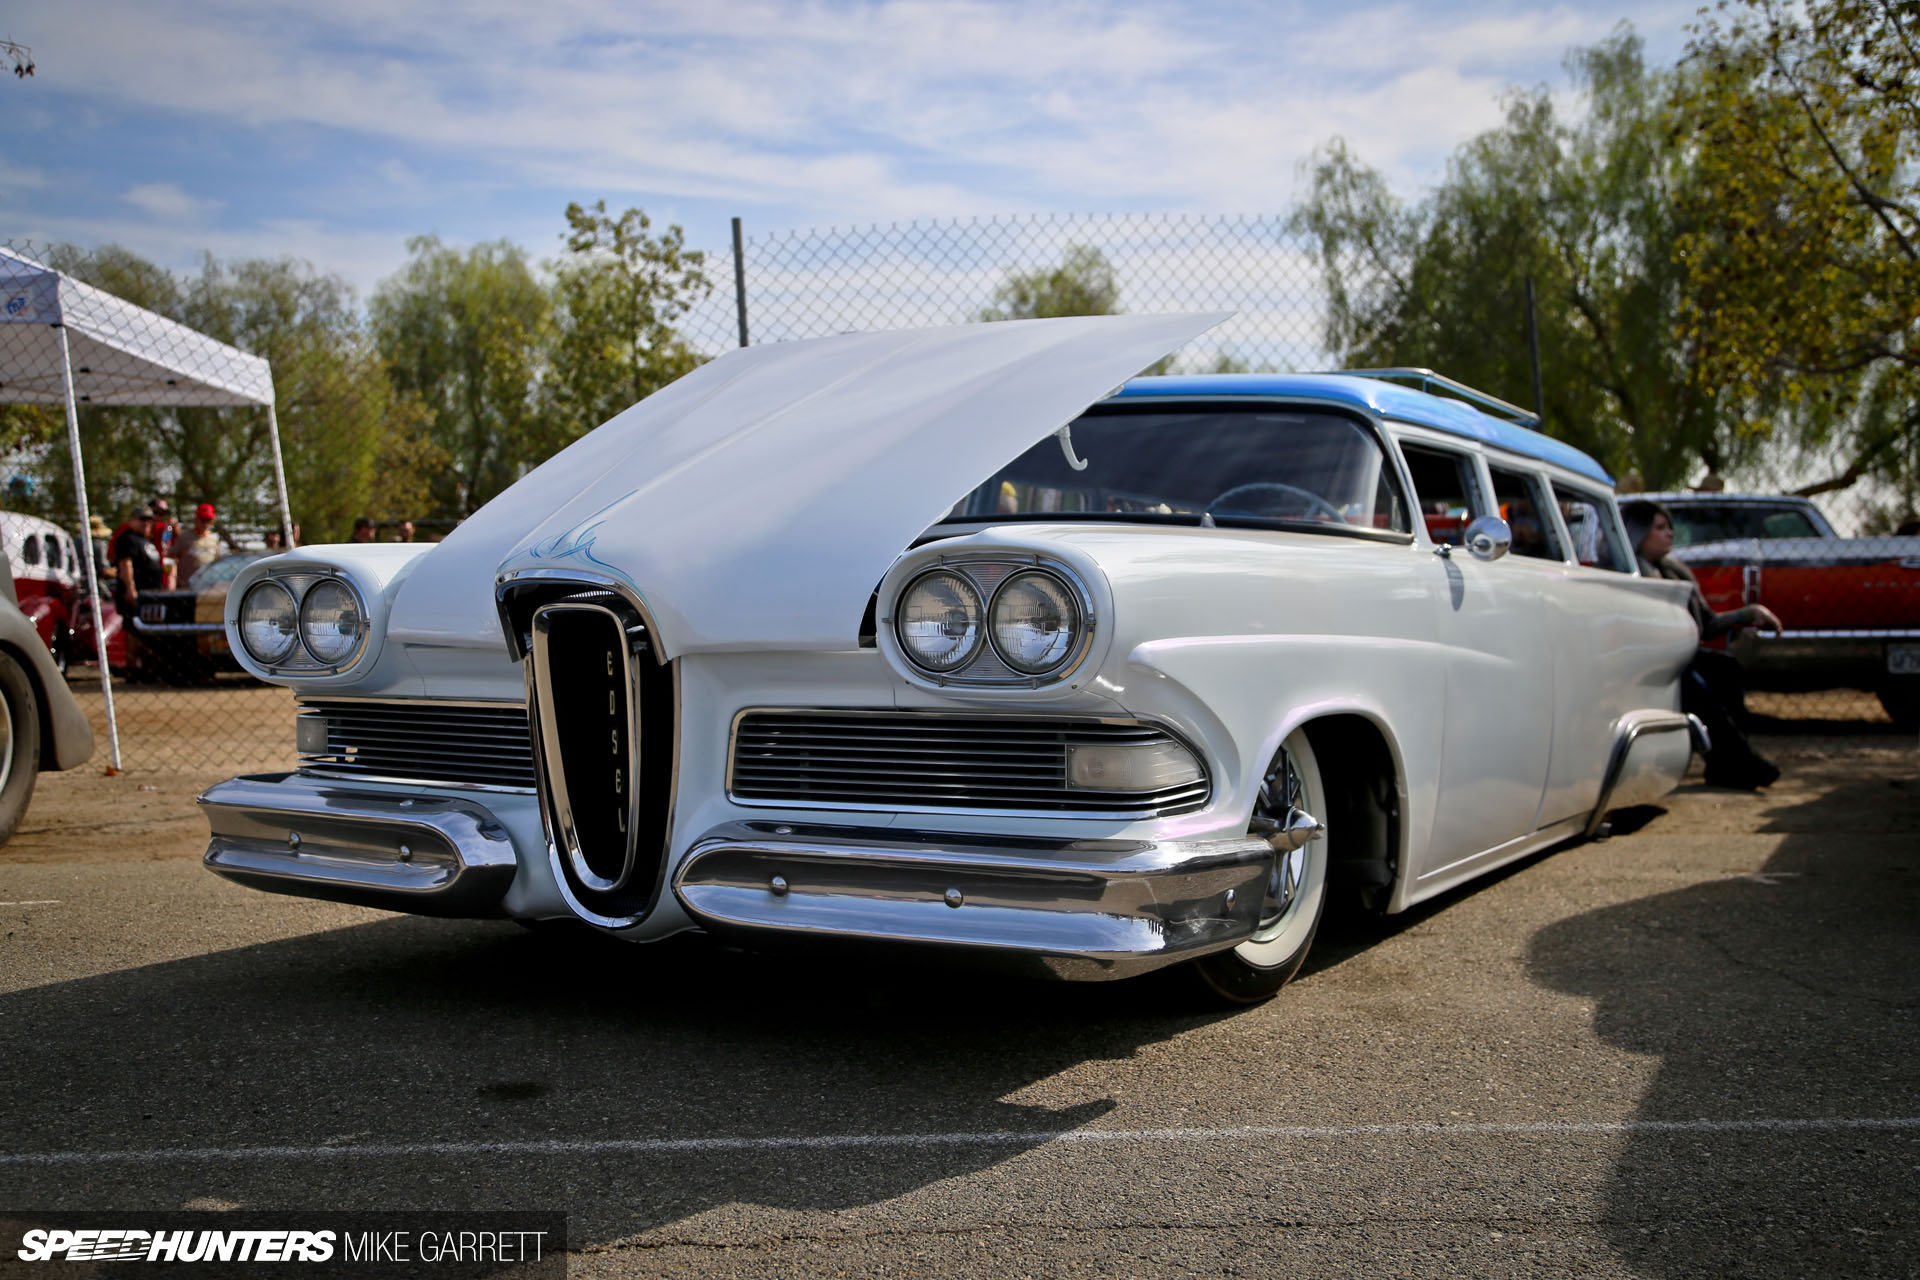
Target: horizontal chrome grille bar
906	761
440	743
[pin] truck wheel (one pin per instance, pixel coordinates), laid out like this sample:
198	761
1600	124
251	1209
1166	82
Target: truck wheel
1296	889
20	753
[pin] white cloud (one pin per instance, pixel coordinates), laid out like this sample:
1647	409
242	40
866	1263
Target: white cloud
831	105
168	203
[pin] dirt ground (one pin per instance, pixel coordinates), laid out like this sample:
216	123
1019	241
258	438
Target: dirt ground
177	742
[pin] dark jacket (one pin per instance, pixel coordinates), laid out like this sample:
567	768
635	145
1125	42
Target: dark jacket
1712	625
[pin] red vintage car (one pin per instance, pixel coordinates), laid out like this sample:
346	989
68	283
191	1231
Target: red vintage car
1850	606
50	581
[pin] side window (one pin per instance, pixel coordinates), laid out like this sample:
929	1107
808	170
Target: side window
30	549
1788	523
1522	507
53	552
1443	485
1596	539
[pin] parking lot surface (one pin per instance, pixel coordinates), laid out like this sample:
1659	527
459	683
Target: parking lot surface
1686	1050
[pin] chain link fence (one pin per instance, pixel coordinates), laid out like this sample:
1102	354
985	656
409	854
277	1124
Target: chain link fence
369	453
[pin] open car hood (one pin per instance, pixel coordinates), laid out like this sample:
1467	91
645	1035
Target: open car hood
756	502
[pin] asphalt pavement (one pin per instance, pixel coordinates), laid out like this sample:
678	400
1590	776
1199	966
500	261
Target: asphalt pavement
1687	1050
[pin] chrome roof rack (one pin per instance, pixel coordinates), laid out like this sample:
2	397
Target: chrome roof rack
1429	381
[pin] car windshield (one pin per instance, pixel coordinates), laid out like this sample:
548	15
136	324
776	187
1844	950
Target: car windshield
225	569
1259	467
1709	523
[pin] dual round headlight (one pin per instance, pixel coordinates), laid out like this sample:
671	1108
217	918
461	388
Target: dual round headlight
327	621
1033	623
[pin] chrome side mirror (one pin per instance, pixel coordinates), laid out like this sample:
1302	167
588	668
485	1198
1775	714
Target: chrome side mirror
1489	538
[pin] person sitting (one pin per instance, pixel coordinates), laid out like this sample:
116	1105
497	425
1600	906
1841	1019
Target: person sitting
1713	686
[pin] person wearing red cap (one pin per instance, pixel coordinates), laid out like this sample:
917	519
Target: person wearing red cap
200	548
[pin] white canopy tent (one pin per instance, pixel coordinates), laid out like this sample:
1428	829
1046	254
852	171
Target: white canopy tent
67	343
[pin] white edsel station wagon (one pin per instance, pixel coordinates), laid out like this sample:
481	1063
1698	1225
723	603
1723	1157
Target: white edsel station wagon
792	648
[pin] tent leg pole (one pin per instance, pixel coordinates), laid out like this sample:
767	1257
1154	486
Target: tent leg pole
280	478
86	540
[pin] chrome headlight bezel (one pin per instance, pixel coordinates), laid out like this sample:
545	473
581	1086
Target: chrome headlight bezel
972	600
298	581
310	641
987	573
1073	628
240	623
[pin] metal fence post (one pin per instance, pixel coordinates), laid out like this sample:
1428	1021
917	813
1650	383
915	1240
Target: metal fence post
740	281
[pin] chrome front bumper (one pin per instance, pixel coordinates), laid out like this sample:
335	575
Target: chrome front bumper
431	855
1083	909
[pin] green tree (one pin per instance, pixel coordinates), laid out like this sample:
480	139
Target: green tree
1803	122
619	292
1082	285
468	335
1588	210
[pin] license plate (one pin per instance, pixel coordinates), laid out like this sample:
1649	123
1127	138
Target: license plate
1903	659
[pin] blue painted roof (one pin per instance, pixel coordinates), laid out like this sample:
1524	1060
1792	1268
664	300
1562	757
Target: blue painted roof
1383	399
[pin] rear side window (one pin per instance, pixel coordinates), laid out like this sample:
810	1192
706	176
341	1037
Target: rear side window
1596	539
1445	488
30	549
1791	523
1523	507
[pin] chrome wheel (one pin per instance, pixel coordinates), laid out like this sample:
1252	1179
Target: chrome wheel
1297	881
1296	887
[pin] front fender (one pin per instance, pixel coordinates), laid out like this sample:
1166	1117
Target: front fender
65	733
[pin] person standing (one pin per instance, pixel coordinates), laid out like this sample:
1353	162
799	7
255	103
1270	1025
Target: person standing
403	531
136	562
201	548
164	532
1713	687
363	530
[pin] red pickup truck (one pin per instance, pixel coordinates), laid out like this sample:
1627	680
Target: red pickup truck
1850	606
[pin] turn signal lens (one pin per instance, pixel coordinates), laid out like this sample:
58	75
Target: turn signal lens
940	622
1035	622
331	622
1144	766
269	626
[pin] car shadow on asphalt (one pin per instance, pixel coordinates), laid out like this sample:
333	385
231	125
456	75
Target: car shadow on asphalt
410	1032
1786	995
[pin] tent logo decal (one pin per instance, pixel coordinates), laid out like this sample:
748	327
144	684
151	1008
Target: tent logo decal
19	306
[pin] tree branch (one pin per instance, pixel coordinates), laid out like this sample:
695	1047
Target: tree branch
1875	203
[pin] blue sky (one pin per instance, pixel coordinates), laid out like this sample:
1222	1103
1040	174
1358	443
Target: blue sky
334	131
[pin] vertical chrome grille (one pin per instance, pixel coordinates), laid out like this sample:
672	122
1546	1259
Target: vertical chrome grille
443	743
604	711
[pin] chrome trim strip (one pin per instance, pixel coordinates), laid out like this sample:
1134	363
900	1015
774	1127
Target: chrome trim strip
1838	633
1090	908
504	584
432	855
450	784
491	703
1617	760
172	628
556	773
